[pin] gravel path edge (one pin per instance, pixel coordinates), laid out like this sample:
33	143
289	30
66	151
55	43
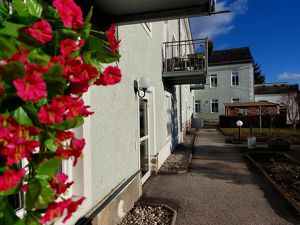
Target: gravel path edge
160	205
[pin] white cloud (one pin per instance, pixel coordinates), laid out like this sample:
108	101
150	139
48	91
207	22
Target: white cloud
218	24
289	76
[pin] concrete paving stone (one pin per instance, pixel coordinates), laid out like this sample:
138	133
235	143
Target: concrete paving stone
219	189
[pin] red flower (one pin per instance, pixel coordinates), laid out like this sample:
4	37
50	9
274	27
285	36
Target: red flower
55	210
31	88
84	73
51	114
69	13
68	46
41	31
110	76
1	88
11	178
64	135
19	149
77	109
36	69
75	150
59	185
110	35
79	88
73	208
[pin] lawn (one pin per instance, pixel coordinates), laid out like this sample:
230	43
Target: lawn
263	133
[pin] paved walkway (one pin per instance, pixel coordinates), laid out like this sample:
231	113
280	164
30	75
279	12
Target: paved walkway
219	189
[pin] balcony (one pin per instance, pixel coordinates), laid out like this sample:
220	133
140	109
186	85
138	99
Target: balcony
197	87
185	62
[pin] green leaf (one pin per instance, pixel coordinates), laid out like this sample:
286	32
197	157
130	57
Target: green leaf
34	8
67	33
50	13
11	29
48	168
38	57
22	117
51	144
69	124
99	51
32	112
46	195
9	191
32	218
56	82
85	31
39	194
8	47
21	222
88	17
12	71
7	214
20	7
32	194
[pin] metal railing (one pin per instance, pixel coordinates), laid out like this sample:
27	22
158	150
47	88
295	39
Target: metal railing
188	55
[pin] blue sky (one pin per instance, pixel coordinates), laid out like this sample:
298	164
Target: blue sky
270	28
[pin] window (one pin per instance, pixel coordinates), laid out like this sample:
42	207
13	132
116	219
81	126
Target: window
214	106
235	78
169	115
198	106
213	80
17	200
235	100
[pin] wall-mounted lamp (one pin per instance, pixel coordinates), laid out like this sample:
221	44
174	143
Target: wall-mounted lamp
142	86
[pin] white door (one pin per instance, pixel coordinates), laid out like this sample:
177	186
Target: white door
145	165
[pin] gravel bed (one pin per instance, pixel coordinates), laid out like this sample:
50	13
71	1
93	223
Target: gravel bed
148	215
179	160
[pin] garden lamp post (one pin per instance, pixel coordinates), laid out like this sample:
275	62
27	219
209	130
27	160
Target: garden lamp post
239	123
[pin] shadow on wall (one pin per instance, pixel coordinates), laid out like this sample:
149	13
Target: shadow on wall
174	116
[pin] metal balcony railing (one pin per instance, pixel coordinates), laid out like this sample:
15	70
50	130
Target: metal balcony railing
185	55
197	86
185	61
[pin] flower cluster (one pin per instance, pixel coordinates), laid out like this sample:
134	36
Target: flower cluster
52	58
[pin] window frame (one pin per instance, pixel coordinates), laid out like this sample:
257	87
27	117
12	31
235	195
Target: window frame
213	80
235	78
214	101
198	105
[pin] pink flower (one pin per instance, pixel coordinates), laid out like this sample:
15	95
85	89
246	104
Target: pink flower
110	76
41	31
51	114
31	88
35	69
68	46
69	13
110	35
10	179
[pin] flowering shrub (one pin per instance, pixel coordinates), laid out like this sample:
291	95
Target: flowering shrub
49	58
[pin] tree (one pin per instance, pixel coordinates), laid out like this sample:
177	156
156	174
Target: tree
259	77
291	102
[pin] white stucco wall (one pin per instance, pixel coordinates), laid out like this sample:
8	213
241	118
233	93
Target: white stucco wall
114	126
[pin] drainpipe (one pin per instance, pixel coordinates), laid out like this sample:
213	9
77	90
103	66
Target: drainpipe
180	94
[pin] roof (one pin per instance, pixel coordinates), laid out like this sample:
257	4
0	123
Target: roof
275	88
230	56
249	104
